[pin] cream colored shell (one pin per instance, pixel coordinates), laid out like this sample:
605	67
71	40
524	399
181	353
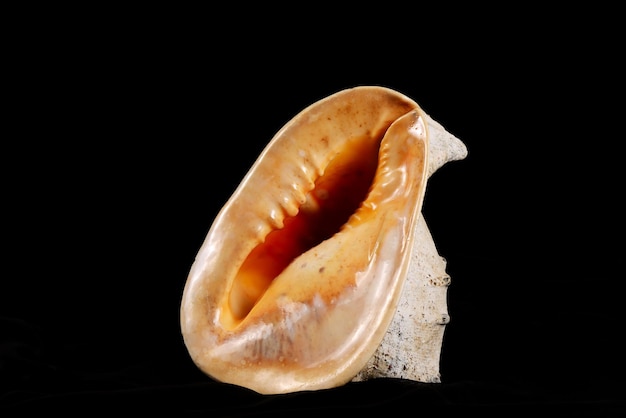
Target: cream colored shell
302	272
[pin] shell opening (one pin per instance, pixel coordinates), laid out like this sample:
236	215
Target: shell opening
336	196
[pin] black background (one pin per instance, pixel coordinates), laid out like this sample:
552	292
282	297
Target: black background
126	131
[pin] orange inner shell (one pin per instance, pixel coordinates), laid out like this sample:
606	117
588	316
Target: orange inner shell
336	196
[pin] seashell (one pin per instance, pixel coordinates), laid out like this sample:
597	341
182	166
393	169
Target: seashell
321	254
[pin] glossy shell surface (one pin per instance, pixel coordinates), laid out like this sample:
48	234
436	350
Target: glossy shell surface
301	272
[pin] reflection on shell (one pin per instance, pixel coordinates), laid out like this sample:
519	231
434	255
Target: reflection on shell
322	251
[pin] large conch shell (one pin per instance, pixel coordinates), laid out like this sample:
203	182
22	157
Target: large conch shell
320	269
